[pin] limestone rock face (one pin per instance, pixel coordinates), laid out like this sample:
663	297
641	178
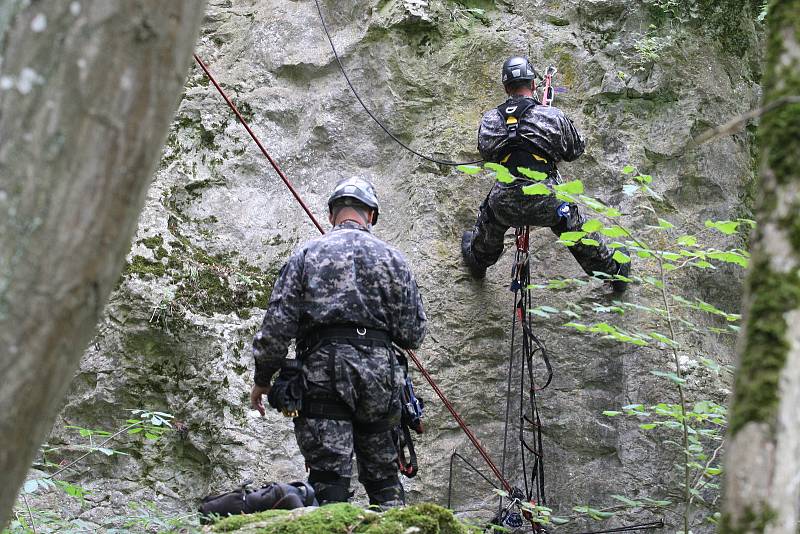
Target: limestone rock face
219	223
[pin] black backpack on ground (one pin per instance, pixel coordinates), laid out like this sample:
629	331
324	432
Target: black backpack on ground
246	500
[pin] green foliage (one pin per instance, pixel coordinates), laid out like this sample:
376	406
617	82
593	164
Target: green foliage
145	426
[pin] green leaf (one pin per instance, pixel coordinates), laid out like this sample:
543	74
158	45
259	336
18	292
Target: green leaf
575	187
558	520
670	375
571	236
644	178
469	169
614	231
729	257
625	500
664	339
656	502
630	189
663	223
647	426
536	189
687	241
135	430
533	175
590	242
592	225
150	436
611	413
713	471
612	212
501	173
726	227
619	257
628	169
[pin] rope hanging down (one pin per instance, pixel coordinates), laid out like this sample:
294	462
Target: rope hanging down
531	453
369	112
411	353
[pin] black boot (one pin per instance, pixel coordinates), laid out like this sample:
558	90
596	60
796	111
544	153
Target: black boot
474	269
386	493
329	487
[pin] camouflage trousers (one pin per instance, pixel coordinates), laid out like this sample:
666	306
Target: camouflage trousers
368	380
506	206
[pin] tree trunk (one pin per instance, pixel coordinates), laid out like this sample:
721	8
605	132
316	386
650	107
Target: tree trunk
87	91
762	492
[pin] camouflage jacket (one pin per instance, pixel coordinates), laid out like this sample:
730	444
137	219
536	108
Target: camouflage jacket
549	131
346	277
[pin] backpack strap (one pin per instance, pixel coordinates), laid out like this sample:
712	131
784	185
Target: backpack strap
517	148
512	112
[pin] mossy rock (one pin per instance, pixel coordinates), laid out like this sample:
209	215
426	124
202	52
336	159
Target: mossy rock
346	518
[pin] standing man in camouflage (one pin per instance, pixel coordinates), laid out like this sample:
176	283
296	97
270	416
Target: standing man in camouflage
523	133
345	297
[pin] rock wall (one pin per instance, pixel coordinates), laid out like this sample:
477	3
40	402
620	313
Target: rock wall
640	81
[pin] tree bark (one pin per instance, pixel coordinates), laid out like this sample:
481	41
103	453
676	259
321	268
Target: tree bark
87	91
762	490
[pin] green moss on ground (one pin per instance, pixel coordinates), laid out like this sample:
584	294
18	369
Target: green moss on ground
346	518
152	242
144	267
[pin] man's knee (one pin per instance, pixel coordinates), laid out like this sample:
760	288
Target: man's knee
329	486
387	492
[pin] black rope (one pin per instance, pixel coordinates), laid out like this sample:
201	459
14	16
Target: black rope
472	467
372	116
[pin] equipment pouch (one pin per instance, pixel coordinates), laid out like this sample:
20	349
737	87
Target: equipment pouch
286	394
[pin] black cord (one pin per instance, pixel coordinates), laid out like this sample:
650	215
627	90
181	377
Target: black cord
471	466
372	116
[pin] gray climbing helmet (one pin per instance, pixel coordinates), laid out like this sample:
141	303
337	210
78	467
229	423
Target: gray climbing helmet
516	69
358	189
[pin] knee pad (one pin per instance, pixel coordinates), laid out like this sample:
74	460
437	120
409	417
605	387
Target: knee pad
329	486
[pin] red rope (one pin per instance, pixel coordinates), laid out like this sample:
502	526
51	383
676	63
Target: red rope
411	354
263	150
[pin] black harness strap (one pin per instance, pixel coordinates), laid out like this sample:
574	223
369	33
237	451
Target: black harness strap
517	150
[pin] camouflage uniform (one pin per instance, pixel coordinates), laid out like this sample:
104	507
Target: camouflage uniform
347	277
552	135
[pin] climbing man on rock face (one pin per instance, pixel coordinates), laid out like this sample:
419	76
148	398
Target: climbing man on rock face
345	297
523	133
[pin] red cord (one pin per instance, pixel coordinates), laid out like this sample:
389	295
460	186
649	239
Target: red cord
263	150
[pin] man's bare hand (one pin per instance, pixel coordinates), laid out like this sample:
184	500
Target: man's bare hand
255	398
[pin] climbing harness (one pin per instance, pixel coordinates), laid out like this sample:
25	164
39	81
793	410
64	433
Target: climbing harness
531	450
372	115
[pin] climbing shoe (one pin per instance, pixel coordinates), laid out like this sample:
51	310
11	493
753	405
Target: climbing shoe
474	269
623	269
